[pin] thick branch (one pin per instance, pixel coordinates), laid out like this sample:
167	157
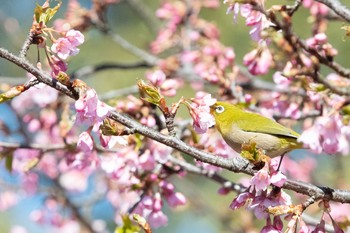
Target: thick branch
39	74
338	8
235	164
238	165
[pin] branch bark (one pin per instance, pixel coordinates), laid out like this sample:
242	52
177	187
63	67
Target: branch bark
338	8
237	165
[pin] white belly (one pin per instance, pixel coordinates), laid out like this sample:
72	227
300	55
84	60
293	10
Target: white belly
271	144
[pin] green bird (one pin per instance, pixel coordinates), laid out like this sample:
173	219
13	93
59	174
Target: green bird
239	127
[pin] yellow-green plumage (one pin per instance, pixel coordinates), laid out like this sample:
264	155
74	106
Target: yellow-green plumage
238	127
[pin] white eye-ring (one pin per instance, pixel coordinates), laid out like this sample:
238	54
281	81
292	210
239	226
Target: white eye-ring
219	109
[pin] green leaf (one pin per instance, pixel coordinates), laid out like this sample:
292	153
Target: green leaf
7	155
128	226
9	162
4	99
142	222
44	13
250	152
151	93
13	92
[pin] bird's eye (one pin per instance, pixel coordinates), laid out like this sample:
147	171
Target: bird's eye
219	109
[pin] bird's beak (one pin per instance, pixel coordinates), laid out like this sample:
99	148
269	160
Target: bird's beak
212	108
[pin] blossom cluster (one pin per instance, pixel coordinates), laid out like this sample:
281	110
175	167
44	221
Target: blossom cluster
77	149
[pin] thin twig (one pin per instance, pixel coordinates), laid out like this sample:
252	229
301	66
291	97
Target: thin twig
26	44
296	43
91	69
43	148
314	222
295	7
148	58
75	210
144	12
119	92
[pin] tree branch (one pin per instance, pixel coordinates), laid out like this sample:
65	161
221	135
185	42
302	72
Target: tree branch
91	69
238	164
148	58
39	74
75	211
338	8
144	12
26	44
119	92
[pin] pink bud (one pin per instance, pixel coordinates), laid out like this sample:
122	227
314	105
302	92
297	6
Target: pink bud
85	142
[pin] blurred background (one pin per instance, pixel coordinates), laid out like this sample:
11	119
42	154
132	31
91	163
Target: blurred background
206	211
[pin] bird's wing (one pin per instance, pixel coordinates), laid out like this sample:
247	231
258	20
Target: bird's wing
266	125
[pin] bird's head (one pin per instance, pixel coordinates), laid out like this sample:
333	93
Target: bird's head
221	111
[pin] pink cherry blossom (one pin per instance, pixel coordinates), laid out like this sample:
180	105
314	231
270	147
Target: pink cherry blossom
157	78
320	227
216	144
259	206
69	227
311	139
278	179
147	161
67	46
316	8
21	158
111	141
90	109
83	160
276	227
150	208
30	183
295	223
202	119
281	81
254	19
301	169
233	7
63	48
75	37
167	87
262	179
7	200
40	95
173	198
327	134
18	229
258	61
57	65
200	112
240	200
85	142
74	180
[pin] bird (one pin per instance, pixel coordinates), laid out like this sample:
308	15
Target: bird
238	126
